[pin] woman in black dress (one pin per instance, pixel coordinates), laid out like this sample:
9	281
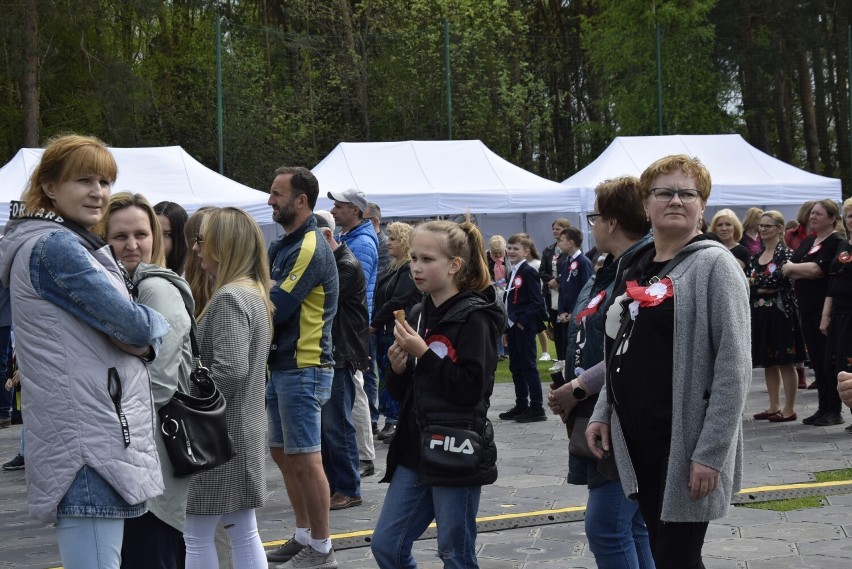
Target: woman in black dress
837	311
809	268
776	341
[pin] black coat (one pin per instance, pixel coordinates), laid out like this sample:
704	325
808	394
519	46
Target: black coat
395	290
455	386
349	336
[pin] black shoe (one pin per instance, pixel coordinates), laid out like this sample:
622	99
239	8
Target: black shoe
513	412
848	429
828	419
367	468
388	431
531	416
810	420
16	463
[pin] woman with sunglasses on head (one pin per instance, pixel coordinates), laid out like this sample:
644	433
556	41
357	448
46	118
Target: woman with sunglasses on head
776	340
233	338
155	539
678	368
81	341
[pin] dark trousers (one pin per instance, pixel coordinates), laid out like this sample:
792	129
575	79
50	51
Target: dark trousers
339	446
522	364
150	543
7	398
829	398
675	545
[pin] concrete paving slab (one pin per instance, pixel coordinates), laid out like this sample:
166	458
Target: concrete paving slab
533	464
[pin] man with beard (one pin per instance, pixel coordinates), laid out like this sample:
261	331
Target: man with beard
304	290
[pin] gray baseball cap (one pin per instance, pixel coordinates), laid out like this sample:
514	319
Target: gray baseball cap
350	196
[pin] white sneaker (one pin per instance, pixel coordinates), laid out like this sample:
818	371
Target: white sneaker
557	367
545	357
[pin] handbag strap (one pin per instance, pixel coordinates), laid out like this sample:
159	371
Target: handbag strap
627	321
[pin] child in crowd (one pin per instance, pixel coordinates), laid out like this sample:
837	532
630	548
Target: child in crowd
442	372
525	308
576	270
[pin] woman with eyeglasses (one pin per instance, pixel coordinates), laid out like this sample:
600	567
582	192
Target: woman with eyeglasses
809	267
776	340
678	368
81	341
617	534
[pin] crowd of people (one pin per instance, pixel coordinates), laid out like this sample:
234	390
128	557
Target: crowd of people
342	322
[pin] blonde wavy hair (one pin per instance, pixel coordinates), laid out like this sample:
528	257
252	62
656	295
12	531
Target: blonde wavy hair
402	233
234	240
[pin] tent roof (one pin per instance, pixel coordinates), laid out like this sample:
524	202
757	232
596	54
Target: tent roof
166	173
422	178
742	175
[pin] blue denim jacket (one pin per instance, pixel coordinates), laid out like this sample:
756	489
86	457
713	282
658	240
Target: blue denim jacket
62	273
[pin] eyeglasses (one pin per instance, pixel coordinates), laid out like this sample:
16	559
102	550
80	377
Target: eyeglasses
762	226
591	218
667	194
199	238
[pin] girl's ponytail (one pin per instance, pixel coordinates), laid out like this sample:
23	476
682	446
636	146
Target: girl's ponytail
475	274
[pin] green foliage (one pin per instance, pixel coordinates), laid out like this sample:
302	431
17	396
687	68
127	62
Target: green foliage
545	83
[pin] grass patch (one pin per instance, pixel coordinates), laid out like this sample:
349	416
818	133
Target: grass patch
833	475
807	501
788	505
503	375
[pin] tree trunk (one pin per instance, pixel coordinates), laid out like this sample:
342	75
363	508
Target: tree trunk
781	101
30	79
359	76
806	98
753	106
821	67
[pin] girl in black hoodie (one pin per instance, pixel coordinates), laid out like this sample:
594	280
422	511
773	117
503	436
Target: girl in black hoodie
442	371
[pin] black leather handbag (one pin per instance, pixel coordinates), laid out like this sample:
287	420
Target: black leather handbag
194	429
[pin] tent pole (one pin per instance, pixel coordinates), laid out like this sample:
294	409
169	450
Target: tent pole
447	79
659	81
219	125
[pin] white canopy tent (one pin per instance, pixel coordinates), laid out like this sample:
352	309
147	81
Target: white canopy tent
742	175
166	173
419	179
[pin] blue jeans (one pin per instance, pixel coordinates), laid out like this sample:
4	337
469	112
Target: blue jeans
408	510
339	445
616	530
90	543
371	383
294	399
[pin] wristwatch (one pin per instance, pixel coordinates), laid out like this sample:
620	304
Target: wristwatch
579	392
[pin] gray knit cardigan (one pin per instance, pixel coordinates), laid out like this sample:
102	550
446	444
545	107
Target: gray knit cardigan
711	378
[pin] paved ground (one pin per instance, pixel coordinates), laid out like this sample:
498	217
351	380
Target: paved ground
533	461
